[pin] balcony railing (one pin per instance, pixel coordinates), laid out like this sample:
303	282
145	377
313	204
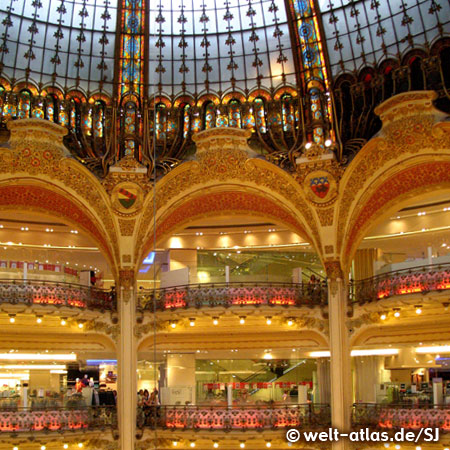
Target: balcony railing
420	279
246	417
233	294
37	292
392	417
21	420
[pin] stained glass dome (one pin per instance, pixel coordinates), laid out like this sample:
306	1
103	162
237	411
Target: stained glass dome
141	77
69	43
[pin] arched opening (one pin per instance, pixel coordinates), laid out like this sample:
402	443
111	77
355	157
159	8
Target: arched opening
55	282
401	273
227	262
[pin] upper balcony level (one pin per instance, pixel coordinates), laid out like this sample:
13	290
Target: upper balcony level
417	280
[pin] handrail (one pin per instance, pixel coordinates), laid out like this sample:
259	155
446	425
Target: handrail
419	279
409	270
235	293
16	281
49	292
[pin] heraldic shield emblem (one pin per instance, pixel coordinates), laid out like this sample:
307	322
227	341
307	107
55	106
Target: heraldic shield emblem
320	186
127	198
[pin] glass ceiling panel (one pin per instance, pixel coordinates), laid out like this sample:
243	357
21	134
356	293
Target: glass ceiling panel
364	32
71	41
199	46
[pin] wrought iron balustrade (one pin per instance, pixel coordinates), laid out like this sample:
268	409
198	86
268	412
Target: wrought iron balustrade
37	292
421	279
245	417
391	417
233	294
21	420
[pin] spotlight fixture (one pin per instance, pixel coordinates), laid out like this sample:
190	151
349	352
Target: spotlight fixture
174	443
242	444
15	448
418	309
192	322
290	322
383	316
328	143
268	444
43	447
242	320
80	445
80	325
192	444
63	321
216	444
12	318
396	312
66	446
269	320
308	145
215	321
38	319
173	323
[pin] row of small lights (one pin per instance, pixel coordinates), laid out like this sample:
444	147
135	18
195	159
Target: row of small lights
43	447
39	319
421	213
47	230
224	233
396	311
216	444
290	321
10	243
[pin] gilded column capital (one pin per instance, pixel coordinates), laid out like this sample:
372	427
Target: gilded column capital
127	281
333	270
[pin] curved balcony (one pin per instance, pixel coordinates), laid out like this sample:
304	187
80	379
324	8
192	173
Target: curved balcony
22	420
233	294
393	417
37	292
245	417
421	279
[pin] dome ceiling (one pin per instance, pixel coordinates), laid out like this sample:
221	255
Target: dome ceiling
64	40
219	44
365	32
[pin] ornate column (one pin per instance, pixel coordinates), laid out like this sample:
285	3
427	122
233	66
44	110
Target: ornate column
127	359
341	385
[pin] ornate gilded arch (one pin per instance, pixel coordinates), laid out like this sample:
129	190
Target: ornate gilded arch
225	170
38	166
408	156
